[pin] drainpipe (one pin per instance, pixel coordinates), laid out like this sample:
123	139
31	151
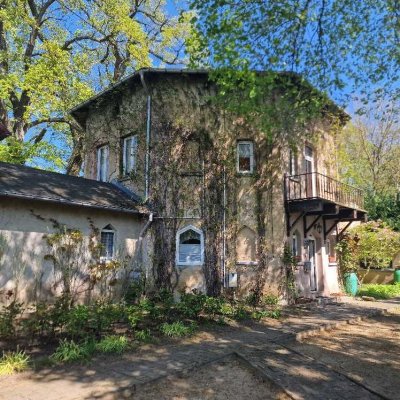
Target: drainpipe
148	137
142	234
224	232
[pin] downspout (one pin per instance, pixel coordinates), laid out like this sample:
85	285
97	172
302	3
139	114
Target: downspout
148	137
142	234
224	282
144	230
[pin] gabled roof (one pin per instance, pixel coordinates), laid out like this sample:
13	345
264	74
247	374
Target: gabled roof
80	112
18	181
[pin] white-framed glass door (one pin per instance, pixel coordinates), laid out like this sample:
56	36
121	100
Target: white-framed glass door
313	264
309	170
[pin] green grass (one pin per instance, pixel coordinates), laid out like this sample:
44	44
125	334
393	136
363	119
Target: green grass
70	351
113	344
15	361
143	336
380	291
176	329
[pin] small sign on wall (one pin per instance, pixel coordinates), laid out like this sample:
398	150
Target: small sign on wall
232	279
307	266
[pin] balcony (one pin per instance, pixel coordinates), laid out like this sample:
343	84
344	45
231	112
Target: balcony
317	192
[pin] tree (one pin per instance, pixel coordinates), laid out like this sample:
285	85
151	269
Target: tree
369	149
369	153
338	45
54	54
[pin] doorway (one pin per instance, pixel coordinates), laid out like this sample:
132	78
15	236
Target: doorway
309	169
313	265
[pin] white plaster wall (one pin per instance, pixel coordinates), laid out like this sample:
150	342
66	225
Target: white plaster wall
327	274
23	229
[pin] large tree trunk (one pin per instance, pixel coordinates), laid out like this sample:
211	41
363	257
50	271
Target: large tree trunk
76	159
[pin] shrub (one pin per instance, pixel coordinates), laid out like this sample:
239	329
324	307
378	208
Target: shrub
77	321
275	314
39	321
70	351
213	305
8	316
176	329
113	344
191	304
11	362
270	300
143	335
372	244
380	291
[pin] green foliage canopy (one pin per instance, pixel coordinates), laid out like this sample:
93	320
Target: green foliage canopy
55	54
372	244
333	43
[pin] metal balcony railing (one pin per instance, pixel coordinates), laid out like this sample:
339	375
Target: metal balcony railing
314	185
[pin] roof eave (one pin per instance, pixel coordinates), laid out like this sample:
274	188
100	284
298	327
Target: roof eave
72	203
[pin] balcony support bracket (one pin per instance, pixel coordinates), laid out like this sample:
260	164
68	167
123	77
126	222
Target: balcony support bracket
332	227
292	224
340	235
308	228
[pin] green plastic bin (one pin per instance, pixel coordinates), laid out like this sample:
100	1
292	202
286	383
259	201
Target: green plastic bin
397	276
351	283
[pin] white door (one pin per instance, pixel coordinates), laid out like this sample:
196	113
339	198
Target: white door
309	169
313	265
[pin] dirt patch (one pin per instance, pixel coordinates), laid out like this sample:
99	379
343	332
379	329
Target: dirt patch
368	352
228	379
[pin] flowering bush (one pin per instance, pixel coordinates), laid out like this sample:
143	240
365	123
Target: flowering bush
372	244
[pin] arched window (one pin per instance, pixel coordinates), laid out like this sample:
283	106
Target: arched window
107	240
189	246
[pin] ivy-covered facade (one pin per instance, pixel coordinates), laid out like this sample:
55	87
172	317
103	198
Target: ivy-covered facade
230	209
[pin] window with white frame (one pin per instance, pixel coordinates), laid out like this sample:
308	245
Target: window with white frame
129	150
189	246
102	163
296	248
107	240
293	163
245	156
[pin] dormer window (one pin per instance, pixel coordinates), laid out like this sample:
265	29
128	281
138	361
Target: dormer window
102	163
129	149
245	157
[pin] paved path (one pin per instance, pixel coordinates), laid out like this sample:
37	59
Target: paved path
264	345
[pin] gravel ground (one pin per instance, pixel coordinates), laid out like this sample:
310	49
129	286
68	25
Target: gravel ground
228	379
368	352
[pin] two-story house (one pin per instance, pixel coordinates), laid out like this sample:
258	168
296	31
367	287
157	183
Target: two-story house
189	194
225	200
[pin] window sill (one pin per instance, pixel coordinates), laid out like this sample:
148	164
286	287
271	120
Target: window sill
184	266
245	174
247	263
332	264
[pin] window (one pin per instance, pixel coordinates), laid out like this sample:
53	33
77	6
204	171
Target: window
189	246
331	250
107	240
129	154
102	163
245	157
296	248
293	163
